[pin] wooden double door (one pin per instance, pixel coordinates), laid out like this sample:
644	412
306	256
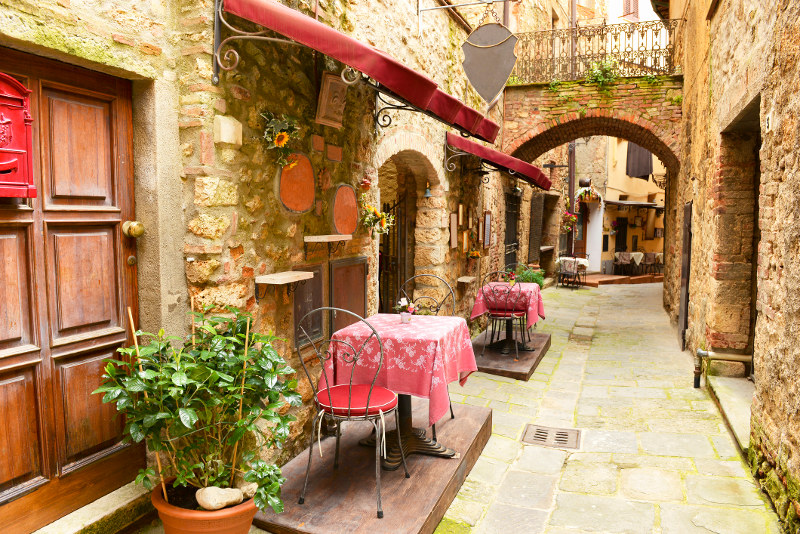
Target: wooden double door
65	284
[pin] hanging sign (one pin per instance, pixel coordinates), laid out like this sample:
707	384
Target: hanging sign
489	58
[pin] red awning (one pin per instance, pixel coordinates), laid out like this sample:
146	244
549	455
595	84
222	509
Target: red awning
504	162
403	82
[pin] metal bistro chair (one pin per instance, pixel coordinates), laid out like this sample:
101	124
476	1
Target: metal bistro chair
505	303
432	303
649	262
623	261
568	274
435	306
347	401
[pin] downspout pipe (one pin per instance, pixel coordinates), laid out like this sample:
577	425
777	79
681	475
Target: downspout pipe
709	355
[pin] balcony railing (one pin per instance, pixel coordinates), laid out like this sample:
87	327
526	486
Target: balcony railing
637	48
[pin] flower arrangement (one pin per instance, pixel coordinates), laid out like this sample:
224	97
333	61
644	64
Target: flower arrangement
404	306
568	221
377	221
614	225
474	254
277	134
511	277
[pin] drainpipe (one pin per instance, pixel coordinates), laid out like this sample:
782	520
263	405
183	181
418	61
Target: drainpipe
571	193
746	359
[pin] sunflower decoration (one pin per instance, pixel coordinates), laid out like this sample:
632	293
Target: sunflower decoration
378	222
279	131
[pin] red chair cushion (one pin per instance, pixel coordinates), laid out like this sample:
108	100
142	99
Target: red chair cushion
355	397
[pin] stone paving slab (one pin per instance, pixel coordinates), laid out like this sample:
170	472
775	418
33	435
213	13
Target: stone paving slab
655	456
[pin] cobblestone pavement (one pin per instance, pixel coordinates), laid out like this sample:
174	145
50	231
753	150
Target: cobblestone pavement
655	456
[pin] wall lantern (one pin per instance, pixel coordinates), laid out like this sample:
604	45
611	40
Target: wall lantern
16	140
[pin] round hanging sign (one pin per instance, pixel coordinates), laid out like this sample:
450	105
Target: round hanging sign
296	189
345	210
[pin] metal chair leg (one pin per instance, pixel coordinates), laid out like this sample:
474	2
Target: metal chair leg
377	426
400	443
338	435
310	451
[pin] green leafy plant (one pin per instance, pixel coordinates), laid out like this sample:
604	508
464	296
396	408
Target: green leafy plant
201	404
603	74
652	79
530	276
676	100
554	86
278	132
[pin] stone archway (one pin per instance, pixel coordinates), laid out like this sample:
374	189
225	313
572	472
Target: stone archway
403	162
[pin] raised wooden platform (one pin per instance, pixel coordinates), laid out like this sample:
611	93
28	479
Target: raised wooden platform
597	279
344	500
495	363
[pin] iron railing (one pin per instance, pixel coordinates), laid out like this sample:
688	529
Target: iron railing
637	49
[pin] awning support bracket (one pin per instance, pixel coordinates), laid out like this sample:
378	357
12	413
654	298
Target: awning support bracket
230	59
484	170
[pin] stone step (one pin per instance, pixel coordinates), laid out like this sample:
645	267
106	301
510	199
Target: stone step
734	397
108	514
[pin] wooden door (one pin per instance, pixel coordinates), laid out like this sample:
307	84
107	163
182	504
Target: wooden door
580	231
348	289
512	224
686	264
621	239
64	289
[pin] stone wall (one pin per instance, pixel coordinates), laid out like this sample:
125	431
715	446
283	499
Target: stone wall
741	91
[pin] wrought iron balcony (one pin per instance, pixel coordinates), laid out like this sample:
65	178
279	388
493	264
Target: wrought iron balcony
637	48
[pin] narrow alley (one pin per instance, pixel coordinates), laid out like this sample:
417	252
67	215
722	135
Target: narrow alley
654	455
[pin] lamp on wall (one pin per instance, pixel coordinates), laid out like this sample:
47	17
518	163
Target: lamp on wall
428	193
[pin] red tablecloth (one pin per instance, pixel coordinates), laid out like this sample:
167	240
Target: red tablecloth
531	296
419	358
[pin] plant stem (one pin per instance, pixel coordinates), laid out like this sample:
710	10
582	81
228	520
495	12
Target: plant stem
241	397
139	361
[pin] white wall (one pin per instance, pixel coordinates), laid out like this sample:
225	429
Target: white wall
594	236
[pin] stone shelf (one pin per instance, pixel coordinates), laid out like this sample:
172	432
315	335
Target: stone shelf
466	279
547	248
290	279
333	241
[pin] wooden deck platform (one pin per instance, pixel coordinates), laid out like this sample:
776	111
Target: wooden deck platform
343	500
496	363
597	279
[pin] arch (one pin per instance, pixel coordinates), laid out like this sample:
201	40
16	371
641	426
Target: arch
415	152
660	140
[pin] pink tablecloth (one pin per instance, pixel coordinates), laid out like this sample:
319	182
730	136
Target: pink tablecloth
532	297
419	358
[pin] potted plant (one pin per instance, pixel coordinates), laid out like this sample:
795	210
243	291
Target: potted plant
278	132
206	405
378	222
406	310
472	258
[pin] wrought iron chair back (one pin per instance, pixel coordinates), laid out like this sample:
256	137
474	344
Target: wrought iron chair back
500	297
569	265
329	350
428	301
624	258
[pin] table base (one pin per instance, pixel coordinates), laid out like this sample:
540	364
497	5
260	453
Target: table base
416	442
506	346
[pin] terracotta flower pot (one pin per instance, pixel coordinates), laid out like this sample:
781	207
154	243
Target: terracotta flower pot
234	520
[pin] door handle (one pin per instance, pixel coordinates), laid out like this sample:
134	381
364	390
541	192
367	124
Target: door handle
132	229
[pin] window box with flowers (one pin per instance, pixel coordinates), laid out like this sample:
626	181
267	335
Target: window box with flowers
568	221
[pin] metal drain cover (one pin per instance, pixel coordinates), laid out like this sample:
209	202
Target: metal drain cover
559	438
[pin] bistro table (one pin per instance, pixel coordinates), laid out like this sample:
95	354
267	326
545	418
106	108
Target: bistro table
419	358
531	302
637	257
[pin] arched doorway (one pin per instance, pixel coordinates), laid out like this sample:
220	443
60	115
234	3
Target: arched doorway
398	197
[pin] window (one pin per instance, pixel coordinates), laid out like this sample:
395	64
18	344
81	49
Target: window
630	8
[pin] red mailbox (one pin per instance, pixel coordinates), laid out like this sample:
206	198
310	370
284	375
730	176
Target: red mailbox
16	140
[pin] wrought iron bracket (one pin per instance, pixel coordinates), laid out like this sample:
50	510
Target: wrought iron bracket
291	287
333	247
382	107
484	169
229	60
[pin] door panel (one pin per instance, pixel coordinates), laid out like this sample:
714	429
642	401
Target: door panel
15	291
19	431
65	289
85	293
686	264
88	424
77	133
